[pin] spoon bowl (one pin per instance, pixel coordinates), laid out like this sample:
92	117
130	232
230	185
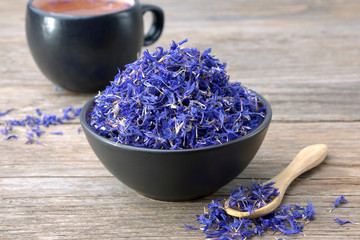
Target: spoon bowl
308	158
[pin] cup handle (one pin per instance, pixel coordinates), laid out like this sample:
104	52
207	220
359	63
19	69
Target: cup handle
157	24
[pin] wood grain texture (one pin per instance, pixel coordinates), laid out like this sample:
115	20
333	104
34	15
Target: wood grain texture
303	56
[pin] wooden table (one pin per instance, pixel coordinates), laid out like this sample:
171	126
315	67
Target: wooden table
303	56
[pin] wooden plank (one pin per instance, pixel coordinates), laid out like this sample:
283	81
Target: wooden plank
68	211
60	191
70	154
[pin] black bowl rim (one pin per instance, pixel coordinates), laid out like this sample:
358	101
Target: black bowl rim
84	123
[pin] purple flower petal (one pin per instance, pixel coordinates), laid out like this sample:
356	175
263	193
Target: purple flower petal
338	201
6	112
11	137
342	222
57	133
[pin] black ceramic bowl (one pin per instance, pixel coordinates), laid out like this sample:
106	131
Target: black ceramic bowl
176	175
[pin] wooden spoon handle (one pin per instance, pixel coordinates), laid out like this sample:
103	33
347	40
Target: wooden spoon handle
308	158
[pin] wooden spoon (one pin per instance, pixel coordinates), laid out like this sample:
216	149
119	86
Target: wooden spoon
306	159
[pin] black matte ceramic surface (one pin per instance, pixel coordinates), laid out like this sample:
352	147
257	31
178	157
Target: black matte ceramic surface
83	53
176	175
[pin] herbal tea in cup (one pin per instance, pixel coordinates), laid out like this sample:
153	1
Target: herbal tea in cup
79	45
83	7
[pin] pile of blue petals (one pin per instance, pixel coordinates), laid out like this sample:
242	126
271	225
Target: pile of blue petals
217	224
247	199
178	98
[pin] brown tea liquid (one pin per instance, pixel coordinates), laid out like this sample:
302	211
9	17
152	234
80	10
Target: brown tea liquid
83	7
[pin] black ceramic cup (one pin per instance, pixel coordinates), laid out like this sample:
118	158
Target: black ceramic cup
84	53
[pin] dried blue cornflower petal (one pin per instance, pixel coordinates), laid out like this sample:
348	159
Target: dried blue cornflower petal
216	223
178	98
4	131
309	211
11	137
30	138
57	133
338	201
190	227
6	112
342	222
39	143
38	112
71	113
